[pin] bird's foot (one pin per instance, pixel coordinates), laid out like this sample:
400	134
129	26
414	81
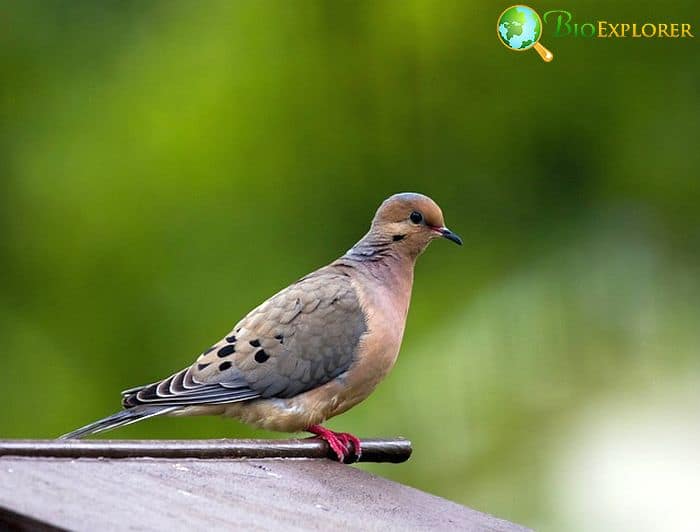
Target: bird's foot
346	447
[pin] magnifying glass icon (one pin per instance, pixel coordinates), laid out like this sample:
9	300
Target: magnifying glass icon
519	28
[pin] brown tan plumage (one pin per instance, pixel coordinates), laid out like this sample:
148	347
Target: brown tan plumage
314	349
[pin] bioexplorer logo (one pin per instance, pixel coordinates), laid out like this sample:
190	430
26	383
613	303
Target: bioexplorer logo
519	28
564	25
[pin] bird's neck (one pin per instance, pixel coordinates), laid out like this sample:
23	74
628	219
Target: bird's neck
377	245
384	260
373	247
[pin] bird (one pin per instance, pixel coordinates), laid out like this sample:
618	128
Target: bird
314	349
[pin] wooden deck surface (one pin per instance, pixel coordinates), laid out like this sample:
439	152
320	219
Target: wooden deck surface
218	494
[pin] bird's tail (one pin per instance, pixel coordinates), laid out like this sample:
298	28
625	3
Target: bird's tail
125	417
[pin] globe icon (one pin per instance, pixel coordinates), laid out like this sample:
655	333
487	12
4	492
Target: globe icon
520	28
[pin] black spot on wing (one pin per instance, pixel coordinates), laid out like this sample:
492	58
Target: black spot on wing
261	356
226	350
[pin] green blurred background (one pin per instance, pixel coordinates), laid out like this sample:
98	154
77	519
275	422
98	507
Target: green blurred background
165	166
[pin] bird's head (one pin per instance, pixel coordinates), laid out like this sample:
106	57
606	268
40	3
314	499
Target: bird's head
411	221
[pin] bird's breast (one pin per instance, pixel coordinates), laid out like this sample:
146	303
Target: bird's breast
386	307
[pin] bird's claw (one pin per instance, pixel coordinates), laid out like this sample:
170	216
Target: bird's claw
352	447
347	448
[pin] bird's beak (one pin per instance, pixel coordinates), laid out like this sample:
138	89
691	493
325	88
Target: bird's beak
449	235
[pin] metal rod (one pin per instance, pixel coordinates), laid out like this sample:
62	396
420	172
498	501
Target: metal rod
373	450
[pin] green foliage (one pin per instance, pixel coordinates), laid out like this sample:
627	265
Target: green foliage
168	165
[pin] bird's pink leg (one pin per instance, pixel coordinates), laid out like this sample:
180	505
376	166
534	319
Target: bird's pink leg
340	442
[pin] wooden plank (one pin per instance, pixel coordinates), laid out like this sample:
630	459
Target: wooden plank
154	494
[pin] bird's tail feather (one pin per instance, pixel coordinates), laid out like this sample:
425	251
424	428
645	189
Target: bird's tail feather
120	419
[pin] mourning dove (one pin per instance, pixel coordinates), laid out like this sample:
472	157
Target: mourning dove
314	349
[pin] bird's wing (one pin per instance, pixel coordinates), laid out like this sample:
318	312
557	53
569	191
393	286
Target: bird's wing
300	338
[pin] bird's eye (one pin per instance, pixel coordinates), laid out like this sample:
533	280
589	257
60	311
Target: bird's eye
416	217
